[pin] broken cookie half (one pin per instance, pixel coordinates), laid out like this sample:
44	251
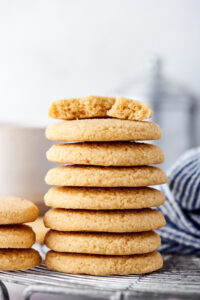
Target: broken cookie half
99	107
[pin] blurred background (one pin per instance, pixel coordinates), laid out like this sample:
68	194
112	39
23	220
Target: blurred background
51	49
147	50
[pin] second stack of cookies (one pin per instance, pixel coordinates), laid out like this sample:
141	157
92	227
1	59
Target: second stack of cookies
16	238
102	221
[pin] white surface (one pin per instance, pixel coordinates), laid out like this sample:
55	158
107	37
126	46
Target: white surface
52	49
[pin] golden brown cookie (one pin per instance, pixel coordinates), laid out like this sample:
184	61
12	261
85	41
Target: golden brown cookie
39	229
103	243
103	265
103	130
105	176
104	221
16	236
20	259
106	154
103	198
15	210
97	106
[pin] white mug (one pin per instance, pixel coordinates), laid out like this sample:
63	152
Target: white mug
23	162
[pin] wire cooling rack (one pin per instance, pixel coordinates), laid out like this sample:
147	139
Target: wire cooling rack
179	279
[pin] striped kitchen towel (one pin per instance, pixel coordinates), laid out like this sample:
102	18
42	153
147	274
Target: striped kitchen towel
182	206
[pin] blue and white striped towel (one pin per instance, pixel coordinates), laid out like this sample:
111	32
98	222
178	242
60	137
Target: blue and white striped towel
182	206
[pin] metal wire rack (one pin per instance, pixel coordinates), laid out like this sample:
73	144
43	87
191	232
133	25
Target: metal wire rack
180	279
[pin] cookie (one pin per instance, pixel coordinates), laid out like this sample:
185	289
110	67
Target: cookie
103	265
39	229
96	107
106	154
16	236
103	243
20	259
104	221
102	130
103	198
105	176
17	210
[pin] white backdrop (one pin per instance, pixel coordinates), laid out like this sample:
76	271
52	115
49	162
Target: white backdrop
50	49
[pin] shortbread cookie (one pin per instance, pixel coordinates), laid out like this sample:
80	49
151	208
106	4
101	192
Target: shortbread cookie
39	229
100	130
16	236
105	176
103	243
96	107
20	259
103	198
106	154
104	221
103	265
16	210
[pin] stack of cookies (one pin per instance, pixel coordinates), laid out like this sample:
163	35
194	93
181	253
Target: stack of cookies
16	239
102	221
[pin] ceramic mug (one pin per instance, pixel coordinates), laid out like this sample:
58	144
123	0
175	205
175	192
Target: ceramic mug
23	162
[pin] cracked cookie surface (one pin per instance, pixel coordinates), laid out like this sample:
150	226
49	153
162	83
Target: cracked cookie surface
99	107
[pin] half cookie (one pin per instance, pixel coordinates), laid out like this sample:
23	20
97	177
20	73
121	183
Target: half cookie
20	259
104	221
96	107
106	154
103	265
103	243
103	198
92	130
105	176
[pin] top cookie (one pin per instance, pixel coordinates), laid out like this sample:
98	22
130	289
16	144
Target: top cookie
94	130
16	210
99	107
